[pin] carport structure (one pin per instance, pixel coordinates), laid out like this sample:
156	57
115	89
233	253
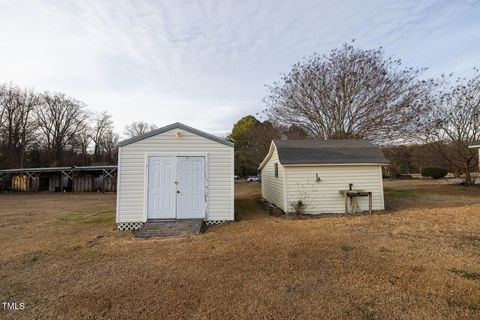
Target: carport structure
60	179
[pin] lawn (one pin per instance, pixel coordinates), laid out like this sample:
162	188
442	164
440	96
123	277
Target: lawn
420	259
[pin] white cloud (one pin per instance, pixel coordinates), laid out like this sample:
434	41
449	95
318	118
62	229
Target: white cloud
205	62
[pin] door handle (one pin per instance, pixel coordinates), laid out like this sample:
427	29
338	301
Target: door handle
178	191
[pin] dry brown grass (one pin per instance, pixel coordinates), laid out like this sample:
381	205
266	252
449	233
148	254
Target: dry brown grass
62	256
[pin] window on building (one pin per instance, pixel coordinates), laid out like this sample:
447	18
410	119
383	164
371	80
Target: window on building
276	170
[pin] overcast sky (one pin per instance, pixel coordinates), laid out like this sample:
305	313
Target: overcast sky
205	63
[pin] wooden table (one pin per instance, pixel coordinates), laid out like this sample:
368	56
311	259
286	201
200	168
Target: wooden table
350	194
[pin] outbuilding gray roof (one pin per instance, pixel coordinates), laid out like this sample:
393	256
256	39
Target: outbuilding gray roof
176	125
341	151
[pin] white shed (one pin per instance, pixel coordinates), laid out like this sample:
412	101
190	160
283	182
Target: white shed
316	172
174	172
476	145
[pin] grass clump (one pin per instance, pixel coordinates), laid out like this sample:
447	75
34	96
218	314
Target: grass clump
472	238
368	314
418	269
466	274
367	311
346	247
474	308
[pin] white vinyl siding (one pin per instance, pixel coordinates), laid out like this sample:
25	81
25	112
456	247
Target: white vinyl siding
273	187
323	196
132	176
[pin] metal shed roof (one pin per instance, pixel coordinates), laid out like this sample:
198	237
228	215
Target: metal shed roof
58	169
341	151
176	125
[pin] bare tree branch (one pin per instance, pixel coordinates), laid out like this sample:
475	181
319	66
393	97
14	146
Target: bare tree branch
138	128
350	93
59	119
453	123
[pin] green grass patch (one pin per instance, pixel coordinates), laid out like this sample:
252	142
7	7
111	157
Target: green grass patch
368	314
466	274
474	308
92	254
101	216
105	211
70	218
399	193
458	302
97	220
346	247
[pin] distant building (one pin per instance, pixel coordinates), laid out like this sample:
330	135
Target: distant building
476	145
60	179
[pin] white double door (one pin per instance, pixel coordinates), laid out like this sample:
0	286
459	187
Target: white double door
176	187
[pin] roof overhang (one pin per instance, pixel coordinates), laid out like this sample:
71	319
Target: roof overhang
333	164
273	147
474	146
268	156
59	169
176	125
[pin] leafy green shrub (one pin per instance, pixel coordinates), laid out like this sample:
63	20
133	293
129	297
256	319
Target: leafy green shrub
434	172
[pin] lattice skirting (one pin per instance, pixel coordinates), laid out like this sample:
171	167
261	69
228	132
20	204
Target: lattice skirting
125	226
211	222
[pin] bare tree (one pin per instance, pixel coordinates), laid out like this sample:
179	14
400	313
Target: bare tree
350	93
59	120
295	132
399	160
138	128
102	124
16	123
454	123
110	146
82	142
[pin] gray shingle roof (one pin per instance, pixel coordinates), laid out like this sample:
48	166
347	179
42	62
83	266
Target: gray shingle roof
341	151
475	143
176	125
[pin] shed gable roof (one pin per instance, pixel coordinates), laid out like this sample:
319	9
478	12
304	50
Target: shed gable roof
339	151
176	125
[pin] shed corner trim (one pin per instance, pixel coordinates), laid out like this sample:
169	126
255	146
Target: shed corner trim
268	156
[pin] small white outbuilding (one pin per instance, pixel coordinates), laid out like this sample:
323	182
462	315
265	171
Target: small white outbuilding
174	172
320	173
476	145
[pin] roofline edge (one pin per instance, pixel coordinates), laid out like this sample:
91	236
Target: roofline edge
176	125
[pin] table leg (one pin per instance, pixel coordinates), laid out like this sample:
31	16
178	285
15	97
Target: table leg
346	204
370	202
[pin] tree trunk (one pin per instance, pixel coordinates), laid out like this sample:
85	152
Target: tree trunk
468	176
